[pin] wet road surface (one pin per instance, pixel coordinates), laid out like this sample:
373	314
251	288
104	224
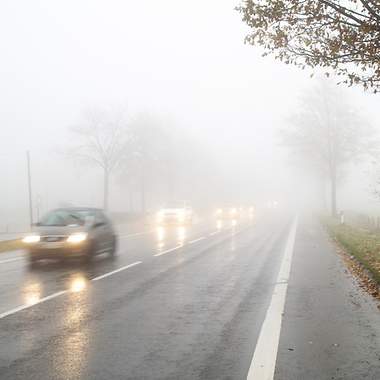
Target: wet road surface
267	298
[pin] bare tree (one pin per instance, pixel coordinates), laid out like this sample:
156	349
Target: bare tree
103	139
326	134
141	168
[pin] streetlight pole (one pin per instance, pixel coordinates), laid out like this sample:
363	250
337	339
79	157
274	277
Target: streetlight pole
29	188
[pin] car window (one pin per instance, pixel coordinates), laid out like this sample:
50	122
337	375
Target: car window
62	218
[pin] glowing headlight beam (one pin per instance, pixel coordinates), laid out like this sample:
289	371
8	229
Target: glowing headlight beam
77	238
31	239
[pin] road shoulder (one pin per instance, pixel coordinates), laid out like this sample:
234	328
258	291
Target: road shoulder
331	327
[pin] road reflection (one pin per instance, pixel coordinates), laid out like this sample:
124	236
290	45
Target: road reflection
160	233
71	354
32	293
163	233
181	235
78	283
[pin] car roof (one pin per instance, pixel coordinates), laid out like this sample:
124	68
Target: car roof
79	208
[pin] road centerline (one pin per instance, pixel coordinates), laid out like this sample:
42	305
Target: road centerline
264	358
23	307
168	251
126	236
116	271
196	240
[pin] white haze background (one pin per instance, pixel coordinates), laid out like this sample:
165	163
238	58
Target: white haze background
184	61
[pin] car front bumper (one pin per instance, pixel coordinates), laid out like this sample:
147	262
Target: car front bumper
57	251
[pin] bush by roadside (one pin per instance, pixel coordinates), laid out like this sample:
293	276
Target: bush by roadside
363	246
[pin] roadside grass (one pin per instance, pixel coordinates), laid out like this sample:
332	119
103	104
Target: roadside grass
363	244
11	245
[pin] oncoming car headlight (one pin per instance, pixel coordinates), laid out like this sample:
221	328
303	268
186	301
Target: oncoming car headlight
76	238
31	239
181	215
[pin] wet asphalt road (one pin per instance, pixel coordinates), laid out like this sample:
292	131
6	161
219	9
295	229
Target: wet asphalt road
191	303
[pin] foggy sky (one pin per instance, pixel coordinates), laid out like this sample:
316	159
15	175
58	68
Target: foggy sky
185	61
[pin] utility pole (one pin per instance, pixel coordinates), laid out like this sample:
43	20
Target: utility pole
38	207
29	189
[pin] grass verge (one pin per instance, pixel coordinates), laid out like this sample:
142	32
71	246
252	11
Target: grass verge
362	244
11	245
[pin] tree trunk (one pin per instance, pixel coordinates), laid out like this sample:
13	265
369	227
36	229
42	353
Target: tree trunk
105	193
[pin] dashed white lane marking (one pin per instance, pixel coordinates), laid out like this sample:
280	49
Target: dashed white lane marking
23	307
135	234
264	358
116	271
168	251
195	240
10	260
55	295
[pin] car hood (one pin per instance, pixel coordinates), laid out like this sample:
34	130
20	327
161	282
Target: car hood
59	230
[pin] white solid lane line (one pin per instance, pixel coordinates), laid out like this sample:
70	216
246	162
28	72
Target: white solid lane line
168	250
116	271
10	260
195	240
213	233
23	307
264	358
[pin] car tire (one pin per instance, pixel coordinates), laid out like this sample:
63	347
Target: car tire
113	249
32	262
91	251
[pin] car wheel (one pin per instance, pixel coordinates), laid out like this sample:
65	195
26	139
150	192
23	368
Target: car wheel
113	249
91	252
32	262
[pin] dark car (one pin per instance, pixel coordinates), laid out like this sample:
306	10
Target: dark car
71	232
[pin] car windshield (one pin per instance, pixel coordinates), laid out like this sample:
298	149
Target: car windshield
66	218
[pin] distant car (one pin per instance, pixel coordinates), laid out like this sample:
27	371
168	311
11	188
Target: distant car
71	232
229	212
251	212
272	204
178	213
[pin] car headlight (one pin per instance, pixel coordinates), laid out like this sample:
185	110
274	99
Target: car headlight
219	211
233	211
76	238
31	239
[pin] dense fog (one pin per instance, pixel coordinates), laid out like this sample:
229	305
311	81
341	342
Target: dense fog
203	113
